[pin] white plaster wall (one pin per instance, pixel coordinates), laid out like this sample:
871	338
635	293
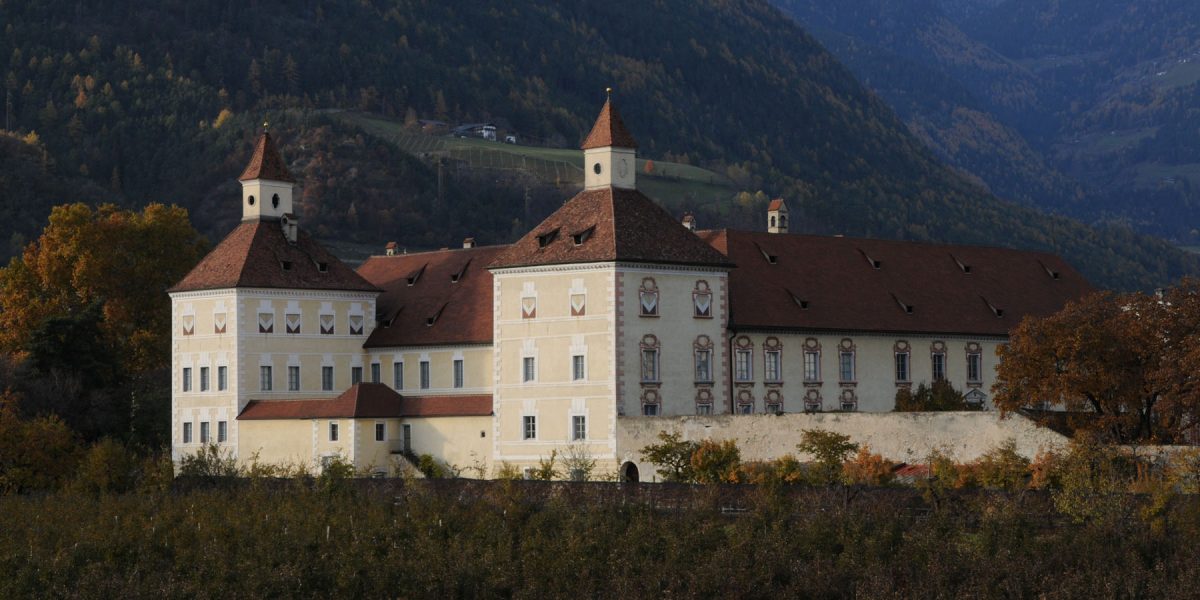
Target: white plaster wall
901	437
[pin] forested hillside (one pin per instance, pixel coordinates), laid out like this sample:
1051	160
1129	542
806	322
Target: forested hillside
1081	107
161	102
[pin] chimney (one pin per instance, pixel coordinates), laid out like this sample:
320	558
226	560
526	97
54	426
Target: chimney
689	221
469	242
390	249
288	222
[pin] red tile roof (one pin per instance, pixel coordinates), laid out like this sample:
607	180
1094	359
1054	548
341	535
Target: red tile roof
451	287
848	284
609	130
258	254
447	406
362	400
368	401
266	163
610	224
776	204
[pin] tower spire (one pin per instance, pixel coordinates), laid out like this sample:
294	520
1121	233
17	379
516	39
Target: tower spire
609	151
267	185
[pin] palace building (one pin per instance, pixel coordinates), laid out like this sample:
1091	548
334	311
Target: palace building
609	310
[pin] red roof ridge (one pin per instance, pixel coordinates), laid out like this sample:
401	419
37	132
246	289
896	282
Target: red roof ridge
266	163
609	130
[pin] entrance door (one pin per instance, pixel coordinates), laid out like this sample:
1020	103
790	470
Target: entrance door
629	473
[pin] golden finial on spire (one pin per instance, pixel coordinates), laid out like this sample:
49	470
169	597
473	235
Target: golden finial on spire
608	92
266	126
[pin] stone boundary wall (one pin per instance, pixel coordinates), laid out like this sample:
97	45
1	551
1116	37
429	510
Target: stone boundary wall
898	436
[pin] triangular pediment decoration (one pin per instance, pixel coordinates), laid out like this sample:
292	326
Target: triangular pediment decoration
189	324
578	304
293	323
327	324
528	307
356	325
266	322
975	396
649	302
219	323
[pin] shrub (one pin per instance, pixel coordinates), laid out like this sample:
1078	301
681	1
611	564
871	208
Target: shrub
430	467
673	457
209	462
1002	468
941	396
35	455
108	466
716	462
578	462
829	450
1094	478
546	471
867	468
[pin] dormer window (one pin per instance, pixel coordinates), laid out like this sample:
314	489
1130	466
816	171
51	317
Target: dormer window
770	258
1051	272
416	275
803	304
875	264
547	238
961	265
286	264
433	319
907	308
999	312
454	277
323	267
582	236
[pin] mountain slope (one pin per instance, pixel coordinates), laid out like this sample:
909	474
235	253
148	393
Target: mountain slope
142	95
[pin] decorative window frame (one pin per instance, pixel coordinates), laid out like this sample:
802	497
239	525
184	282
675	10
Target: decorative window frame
649	299
848	400
772	345
974	349
702	301
744	400
187	320
650	342
773	398
577	298
356	321
936	348
703	343
846	346
812	346
528	300
902	347
529	350
813	402
742	346
220	316
705	397
652	397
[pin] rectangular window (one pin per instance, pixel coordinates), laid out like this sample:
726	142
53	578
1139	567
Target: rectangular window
355	375
264	376
458	373
204	432
578	427
204	379
398	376
376	377
530	432
939	366
577	368
406	437
327	327
649	364
293	379
222	432
974	367
187	433
187	379
292	323
902	366
333	431
222	378
743	365
846	366
530	369
380	432
771	368
356	325
650	410
746	409
812	366
327	379
704	409
704	366
424	374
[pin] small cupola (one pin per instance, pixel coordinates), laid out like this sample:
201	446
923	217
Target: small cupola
777	216
609	152
689	221
266	183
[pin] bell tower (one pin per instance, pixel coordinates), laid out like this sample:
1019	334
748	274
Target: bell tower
609	152
266	183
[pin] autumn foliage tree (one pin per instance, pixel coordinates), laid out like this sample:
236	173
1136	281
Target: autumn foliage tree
1122	364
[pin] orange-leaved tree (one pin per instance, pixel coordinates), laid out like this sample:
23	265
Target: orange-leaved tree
1121	364
122	260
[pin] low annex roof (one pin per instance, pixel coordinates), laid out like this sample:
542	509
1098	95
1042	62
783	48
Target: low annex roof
362	400
610	224
790	282
432	298
368	401
258	254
